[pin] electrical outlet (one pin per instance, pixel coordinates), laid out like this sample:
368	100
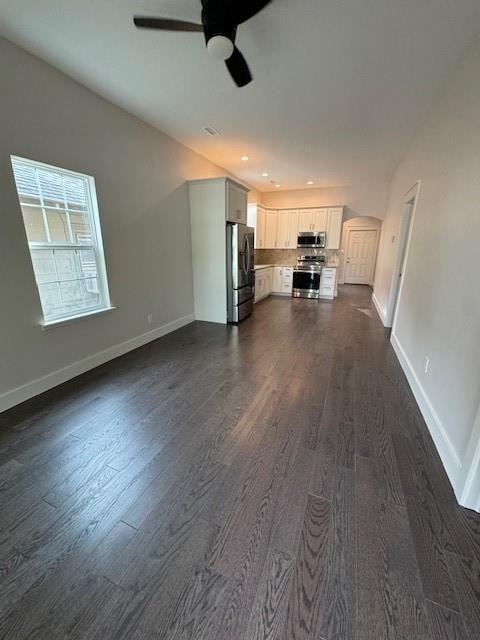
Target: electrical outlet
426	364
149	318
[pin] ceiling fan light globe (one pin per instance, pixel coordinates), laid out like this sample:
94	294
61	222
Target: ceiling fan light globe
220	47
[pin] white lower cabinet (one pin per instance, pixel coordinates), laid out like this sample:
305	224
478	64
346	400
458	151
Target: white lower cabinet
282	280
328	283
277	279
263	283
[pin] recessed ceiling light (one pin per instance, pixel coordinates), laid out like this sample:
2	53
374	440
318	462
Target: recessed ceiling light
265	175
278	185
310	182
244	158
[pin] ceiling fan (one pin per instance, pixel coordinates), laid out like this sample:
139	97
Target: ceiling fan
220	19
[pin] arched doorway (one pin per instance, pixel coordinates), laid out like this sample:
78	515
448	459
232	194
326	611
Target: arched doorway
360	238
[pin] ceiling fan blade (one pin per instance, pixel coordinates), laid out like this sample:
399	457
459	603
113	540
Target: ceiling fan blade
166	24
246	9
238	68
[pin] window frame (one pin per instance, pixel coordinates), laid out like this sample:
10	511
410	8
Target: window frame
96	246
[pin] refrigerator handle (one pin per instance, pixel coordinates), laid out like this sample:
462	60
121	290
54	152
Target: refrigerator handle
247	256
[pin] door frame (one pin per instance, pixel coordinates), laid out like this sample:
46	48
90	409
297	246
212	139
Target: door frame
410	200
374	262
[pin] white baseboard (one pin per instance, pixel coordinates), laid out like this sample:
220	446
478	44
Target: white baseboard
469	481
445	448
469	494
35	387
379	309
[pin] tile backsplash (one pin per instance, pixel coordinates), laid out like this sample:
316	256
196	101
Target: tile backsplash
288	257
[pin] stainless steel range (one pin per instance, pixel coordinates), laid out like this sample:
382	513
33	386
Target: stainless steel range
306	277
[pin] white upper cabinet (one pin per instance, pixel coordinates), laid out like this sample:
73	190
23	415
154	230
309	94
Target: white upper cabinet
283	228
287	228
260	229
313	219
320	219
292	229
334	228
256	219
270	229
305	220
237	198
279	229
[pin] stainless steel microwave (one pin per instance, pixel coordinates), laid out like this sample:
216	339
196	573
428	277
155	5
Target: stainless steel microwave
317	239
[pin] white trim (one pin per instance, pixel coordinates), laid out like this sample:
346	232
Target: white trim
93	215
378	307
35	387
445	448
393	305
88	314
469	493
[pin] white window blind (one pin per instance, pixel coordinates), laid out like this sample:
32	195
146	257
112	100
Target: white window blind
61	220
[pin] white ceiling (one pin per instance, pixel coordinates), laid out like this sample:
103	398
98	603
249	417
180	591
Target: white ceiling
340	85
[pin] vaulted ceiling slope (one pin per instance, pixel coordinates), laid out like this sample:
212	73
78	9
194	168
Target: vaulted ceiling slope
340	86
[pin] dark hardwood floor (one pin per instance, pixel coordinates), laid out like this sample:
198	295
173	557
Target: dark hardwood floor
272	481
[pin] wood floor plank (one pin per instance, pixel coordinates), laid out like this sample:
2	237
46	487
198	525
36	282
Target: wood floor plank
445	623
158	579
337	621
373	618
271	480
323	477
267	621
197	613
390	589
466	574
68	599
430	536
310	573
8	470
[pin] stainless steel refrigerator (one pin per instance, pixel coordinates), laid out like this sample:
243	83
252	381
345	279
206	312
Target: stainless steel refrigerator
240	272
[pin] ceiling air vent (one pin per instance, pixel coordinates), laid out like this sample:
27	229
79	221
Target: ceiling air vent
211	131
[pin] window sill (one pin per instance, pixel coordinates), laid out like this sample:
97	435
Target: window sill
60	323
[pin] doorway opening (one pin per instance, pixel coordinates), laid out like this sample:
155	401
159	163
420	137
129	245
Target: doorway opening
361	255
404	237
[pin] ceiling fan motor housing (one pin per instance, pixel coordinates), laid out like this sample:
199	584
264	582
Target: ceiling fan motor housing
219	30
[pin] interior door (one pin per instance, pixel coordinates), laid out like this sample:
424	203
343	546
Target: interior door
360	258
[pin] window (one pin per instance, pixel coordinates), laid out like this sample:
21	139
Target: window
60	214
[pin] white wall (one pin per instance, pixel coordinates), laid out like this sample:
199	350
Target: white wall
365	199
439	311
140	177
